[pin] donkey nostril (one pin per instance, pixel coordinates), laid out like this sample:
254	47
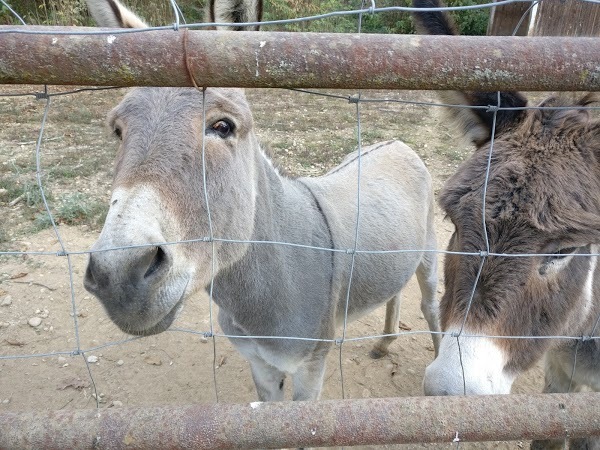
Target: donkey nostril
159	259
89	281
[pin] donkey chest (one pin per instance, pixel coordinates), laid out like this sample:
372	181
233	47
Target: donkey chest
288	295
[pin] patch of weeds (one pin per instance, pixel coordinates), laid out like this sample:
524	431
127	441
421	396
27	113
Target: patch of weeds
69	167
411	142
28	191
13	190
63	172
278	145
23	164
371	136
73	164
41	221
79	209
79	114
33	195
4	236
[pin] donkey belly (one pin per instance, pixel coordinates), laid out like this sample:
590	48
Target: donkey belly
395	213
376	279
279	295
285	354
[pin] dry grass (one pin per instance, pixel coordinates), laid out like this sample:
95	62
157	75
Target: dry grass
306	133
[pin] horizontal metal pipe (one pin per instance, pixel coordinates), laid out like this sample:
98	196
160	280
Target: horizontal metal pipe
319	60
301	424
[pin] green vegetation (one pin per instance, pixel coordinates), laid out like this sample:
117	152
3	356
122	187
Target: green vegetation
26	191
74	12
73	209
159	12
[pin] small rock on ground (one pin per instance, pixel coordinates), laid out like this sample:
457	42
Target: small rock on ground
35	322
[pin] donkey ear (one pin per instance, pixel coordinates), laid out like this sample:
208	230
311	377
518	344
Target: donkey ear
489	117
235	11
466	120
433	22
477	123
112	14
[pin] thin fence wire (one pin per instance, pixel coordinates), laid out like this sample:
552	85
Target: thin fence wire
212	239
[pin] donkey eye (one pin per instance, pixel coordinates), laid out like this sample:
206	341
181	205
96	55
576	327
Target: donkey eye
118	132
563	253
223	128
557	261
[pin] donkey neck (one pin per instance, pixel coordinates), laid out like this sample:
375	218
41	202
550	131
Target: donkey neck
298	279
591	297
582	319
286	209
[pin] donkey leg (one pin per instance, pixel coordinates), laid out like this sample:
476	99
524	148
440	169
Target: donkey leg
392	313
308	378
427	278
556	380
584	444
268	380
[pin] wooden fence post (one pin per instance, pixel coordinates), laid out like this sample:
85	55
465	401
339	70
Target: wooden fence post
567	18
504	19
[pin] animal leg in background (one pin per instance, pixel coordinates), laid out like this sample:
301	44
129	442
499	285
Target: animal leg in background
392	315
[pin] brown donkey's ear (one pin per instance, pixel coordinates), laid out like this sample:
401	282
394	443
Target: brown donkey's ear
112	14
433	22
475	124
565	115
235	11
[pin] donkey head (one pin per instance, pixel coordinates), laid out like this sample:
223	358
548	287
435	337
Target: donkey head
172	143
540	198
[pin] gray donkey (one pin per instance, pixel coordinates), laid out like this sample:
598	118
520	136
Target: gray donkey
262	289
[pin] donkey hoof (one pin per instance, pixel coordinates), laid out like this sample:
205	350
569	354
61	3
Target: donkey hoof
377	353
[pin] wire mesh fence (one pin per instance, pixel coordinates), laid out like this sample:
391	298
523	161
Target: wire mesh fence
60	349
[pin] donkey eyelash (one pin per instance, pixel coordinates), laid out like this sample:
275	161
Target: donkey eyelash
224	128
562	253
557	261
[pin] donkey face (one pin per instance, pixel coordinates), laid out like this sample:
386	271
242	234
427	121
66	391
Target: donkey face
158	196
168	139
540	199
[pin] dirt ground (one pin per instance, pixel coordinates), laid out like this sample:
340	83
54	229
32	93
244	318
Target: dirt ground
39	332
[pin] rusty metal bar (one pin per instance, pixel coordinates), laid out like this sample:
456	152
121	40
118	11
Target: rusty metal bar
270	59
300	424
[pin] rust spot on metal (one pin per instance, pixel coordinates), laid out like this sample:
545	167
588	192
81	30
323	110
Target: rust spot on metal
269	59
299	424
